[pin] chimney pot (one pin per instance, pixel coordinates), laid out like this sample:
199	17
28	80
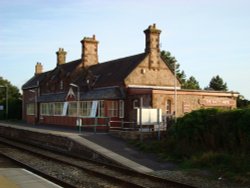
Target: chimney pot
153	45
61	56
38	68
89	51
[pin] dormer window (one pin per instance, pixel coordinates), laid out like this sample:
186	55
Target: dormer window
61	85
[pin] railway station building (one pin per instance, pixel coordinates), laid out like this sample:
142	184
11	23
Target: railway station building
95	93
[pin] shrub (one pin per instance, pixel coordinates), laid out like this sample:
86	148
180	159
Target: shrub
211	130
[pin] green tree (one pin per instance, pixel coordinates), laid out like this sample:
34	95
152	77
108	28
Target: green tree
172	63
242	102
14	100
191	83
217	84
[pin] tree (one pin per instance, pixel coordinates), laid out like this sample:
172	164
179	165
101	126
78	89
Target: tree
242	102
217	84
171	61
14	100
191	83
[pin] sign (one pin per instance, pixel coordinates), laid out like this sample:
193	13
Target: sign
217	102
1	107
150	116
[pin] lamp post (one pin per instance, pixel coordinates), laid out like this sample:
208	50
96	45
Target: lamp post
175	93
7	104
78	105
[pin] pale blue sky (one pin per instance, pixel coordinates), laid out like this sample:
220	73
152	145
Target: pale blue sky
208	37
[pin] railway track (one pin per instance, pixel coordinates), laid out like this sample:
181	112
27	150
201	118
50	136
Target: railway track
69	171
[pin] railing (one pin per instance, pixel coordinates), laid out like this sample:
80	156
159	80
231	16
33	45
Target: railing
136	127
95	123
122	125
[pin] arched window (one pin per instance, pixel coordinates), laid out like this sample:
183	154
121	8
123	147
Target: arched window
135	103
168	107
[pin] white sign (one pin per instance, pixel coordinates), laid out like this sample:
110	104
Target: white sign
1	107
149	116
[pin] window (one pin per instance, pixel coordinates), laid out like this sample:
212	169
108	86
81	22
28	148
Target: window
168	107
44	109
47	109
59	108
113	108
61	85
73	109
121	109
51	109
100	109
85	108
135	103
30	109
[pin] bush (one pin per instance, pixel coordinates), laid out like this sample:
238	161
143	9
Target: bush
209	138
210	130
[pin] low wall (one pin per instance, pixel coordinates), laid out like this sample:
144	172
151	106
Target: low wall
53	142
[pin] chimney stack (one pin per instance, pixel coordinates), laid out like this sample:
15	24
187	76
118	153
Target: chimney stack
38	68
89	51
61	56
153	45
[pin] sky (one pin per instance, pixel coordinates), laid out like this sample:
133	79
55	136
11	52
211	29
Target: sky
207	37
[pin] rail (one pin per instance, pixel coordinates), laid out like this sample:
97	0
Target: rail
96	172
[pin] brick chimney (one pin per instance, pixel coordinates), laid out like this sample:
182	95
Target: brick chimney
61	56
38	68
153	45
89	51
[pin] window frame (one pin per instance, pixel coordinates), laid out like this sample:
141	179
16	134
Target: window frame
30	109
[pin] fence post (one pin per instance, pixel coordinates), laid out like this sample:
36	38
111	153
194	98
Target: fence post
140	120
158	122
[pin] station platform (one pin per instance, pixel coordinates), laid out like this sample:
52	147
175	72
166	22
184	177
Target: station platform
21	178
112	149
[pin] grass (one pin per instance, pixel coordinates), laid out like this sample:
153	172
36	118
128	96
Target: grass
235	168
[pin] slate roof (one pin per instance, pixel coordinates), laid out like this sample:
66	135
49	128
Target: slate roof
103	93
35	80
53	97
111	73
114	72
95	94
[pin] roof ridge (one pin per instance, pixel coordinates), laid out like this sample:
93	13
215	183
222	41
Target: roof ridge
122	58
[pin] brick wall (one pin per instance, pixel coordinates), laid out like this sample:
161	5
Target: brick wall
144	75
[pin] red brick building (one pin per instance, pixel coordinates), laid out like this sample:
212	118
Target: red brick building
94	92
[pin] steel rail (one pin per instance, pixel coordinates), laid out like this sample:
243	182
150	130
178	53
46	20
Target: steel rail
108	177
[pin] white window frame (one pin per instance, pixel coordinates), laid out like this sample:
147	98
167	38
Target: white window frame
58	108
72	111
113	108
30	109
100	109
85	108
44	109
47	109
